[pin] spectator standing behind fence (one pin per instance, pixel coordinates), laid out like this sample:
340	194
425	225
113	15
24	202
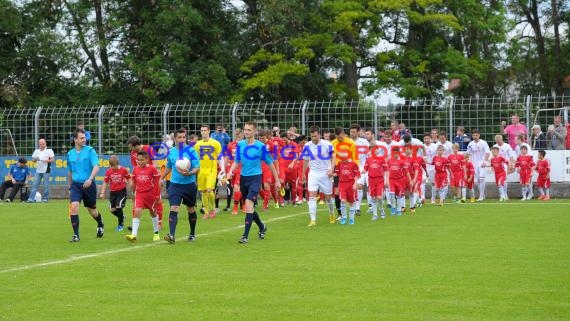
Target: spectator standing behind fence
43	157
556	134
221	135
81	125
461	138
17	176
512	130
538	138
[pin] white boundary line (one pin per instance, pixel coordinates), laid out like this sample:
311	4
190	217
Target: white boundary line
127	249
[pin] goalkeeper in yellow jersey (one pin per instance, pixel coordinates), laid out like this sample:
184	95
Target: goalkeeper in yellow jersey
209	151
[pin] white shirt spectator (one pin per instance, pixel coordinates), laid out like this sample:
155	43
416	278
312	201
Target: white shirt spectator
41	157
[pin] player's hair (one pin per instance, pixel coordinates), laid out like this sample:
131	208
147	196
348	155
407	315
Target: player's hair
332	136
355	126
22	160
388	132
204	125
427	135
455	145
461	128
407	138
80	122
283	134
440	147
143	154
77	131
302	137
475	131
178	131
252	123
192	137
135	140
467	155
338	130
315	129
113	160
496	148
541	153
442	133
370	130
326	131
523	147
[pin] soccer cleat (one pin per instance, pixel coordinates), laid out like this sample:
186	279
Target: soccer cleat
276	205
131	238
403	210
343	221
338	218
213	213
74	239
321	202
546	198
119	228
205	216
261	233
312	224
369	211
156	237
392	210
351	221
540	197
100	232
202	211
383	216
226	209
412	210
243	240
398	213
30	201
433	201
332	220
357	213
235	210
472	200
480	200
463	200
8	200
191	238
375	218
169	238
523	199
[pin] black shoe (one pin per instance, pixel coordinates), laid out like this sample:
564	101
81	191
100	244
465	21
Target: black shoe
191	238
169	238
74	239
357	212
202	211
226	209
100	232
261	233
130	228
243	240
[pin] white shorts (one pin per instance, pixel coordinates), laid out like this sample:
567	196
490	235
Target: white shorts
430	169
363	180
480	171
319	181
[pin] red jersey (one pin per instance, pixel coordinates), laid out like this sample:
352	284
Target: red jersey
408	164
440	163
146	179
419	165
456	163
543	167
278	144
396	169
347	171
289	153
117	178
145	148
525	163
498	163
376	167
470	169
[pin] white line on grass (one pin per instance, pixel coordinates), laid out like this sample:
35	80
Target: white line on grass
126	249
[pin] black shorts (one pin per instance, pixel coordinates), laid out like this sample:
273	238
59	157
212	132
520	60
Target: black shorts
88	195
182	194
335	181
249	187
117	199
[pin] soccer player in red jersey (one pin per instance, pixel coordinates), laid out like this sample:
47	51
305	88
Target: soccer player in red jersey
441	165
458	173
525	165
116	177
409	168
499	165
419	166
288	170
377	169
278	145
235	178
268	179
469	177
146	188
543	179
348	173
397	178
136	146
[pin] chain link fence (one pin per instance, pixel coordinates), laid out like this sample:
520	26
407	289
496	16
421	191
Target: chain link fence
110	126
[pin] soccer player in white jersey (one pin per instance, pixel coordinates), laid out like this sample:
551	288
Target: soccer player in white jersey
318	156
447	145
362	146
507	152
479	150
431	150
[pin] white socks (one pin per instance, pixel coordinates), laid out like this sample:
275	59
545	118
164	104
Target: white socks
136	224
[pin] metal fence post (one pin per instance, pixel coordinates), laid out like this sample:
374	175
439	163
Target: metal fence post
375	120
451	107
165	119
100	129
37	126
234	117
528	99
304	116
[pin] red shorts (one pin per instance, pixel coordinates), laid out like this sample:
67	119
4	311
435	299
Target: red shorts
398	187
290	175
500	179
524	178
542	182
416	186
145	200
441	180
469	184
346	191
376	186
457	179
236	177
268	178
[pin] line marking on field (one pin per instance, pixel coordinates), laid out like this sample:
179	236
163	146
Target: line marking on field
127	249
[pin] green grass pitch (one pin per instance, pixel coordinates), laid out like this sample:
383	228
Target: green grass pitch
489	261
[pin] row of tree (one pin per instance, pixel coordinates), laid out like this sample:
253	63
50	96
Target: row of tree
72	52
